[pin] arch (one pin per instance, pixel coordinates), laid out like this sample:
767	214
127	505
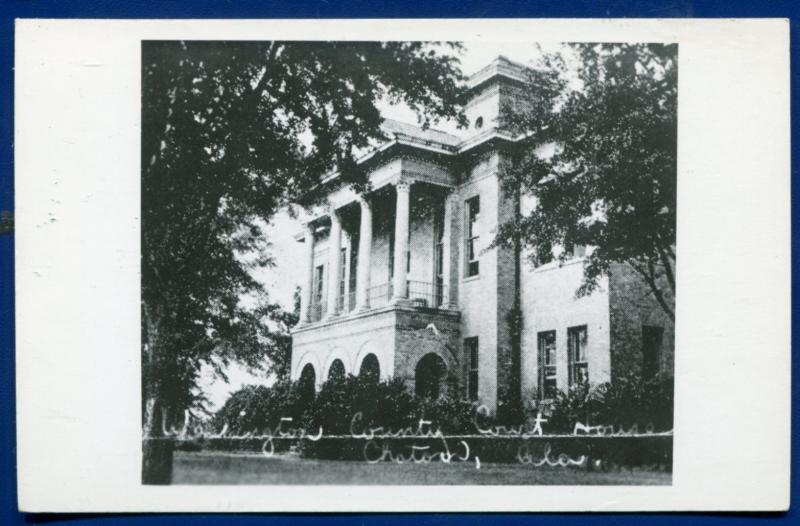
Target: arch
430	376
307	358
380	352
307	383
370	368
336	370
341	355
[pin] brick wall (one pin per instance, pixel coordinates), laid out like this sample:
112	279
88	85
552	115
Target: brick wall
632	306
420	333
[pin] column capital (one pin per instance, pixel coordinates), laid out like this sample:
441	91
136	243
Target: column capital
364	202
402	183
333	210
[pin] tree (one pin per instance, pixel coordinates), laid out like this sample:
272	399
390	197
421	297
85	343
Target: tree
231	131
608	180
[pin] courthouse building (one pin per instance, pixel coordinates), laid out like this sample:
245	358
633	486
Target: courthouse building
401	281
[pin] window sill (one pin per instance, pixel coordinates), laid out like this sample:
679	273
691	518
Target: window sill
555	265
468	279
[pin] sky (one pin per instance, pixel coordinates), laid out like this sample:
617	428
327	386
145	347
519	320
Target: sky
281	280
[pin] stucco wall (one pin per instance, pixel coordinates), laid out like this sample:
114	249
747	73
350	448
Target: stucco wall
349	340
549	303
477	296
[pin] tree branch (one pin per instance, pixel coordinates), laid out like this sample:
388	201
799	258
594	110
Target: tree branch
649	277
665	260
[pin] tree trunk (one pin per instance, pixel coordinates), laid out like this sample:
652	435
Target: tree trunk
157	449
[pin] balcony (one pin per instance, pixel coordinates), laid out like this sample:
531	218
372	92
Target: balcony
421	294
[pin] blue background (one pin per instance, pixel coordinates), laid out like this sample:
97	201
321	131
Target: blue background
10	9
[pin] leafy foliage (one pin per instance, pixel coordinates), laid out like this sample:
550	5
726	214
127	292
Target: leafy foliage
628	401
608	112
387	404
255	408
231	132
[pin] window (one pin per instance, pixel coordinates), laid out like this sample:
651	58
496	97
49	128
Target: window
547	365
576	348
473	209
575	251
471	358
543	257
652	340
319	283
479	123
317	303
342	278
438	255
353	272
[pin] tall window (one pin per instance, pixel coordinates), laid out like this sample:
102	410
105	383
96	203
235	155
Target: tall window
342	278
471	358
547	365
353	271
652	341
576	348
317	305
319	283
473	210
438	254
575	251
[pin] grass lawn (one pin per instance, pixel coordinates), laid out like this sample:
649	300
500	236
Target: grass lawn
240	468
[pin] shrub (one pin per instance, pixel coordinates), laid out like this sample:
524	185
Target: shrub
255	408
626	402
381	404
450	414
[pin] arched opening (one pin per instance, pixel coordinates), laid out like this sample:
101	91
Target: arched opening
429	376
336	371
370	368
307	383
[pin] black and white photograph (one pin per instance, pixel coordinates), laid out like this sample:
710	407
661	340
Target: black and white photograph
402	265
408	262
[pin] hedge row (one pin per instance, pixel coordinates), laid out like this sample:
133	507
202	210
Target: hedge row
566	451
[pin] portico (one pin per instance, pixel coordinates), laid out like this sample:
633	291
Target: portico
377	275
349	245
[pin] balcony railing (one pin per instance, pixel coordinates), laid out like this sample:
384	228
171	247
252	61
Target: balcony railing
426	294
420	294
380	295
318	309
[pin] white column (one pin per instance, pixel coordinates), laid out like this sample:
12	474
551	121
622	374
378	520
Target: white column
364	253
447	253
400	285
334	264
308	284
